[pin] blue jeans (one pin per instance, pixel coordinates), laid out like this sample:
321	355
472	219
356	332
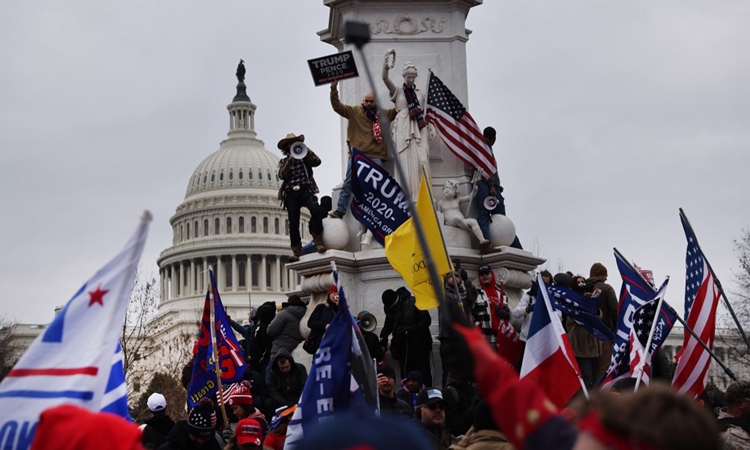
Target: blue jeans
345	195
484	214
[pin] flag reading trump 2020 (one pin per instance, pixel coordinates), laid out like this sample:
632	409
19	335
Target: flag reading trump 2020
377	200
77	359
203	382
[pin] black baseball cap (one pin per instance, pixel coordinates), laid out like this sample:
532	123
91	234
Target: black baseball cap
485	269
429	396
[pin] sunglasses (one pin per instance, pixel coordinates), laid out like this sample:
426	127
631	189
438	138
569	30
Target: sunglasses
435	406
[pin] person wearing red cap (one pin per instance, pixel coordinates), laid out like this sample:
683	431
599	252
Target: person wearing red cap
241	401
70	427
247	436
320	318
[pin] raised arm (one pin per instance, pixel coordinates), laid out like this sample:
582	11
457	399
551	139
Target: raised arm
388	83
340	108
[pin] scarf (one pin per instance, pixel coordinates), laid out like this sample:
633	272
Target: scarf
372	114
494	298
415	112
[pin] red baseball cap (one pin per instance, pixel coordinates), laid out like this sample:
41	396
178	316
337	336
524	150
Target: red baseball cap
248	432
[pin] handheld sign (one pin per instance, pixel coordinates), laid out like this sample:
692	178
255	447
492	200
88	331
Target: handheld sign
333	67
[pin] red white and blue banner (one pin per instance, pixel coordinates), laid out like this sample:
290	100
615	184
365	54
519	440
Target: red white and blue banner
548	359
77	360
231	361
643	323
377	200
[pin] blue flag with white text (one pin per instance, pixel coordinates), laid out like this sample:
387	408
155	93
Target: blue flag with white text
231	360
342	376
377	200
77	359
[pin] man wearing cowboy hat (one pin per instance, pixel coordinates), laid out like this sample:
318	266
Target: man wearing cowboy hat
297	190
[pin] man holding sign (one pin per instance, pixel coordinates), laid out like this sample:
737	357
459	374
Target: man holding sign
363	133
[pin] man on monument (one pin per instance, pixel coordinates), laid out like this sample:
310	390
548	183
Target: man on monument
297	190
363	133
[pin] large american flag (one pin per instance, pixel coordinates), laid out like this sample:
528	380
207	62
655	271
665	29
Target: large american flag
457	128
643	323
701	300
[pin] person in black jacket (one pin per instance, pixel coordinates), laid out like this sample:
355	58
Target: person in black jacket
389	403
411	345
321	317
198	432
286	379
156	429
260	357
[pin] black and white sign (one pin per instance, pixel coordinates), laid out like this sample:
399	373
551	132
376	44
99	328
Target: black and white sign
333	67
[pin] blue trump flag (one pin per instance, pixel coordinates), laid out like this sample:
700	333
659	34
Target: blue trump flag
231	361
582	309
77	359
342	376
377	200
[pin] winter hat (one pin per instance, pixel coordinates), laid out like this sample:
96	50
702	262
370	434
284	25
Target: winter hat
597	270
403	293
416	376
387	370
294	300
334	288
248	432
156	402
389	298
347	432
201	420
240	394
70	427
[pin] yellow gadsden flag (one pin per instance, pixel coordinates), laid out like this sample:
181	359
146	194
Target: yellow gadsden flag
408	258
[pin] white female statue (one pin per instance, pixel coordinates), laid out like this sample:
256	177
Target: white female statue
411	132
450	207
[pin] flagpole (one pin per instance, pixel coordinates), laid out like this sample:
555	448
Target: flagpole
359	41
672	311
716	280
216	356
642	362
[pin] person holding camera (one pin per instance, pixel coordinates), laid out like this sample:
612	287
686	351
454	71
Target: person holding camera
489	308
586	347
608	304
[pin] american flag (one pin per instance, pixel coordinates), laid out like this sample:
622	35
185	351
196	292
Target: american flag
583	310
643	322
457	128
701	300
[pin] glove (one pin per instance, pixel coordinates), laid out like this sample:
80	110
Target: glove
502	313
227	434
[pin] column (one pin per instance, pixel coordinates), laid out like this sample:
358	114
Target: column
219	273
249	274
204	275
193	280
173	281
276	280
235	280
262	281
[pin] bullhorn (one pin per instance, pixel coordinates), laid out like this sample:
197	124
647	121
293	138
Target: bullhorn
367	321
490	203
298	150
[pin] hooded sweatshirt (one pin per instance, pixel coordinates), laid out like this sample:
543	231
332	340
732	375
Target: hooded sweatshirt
286	388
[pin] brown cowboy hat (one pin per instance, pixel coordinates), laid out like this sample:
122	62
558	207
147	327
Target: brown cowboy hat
290	139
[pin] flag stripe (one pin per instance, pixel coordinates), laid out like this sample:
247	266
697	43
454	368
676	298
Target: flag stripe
30	393
53	372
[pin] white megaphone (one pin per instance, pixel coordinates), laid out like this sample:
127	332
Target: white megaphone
367	321
298	150
490	203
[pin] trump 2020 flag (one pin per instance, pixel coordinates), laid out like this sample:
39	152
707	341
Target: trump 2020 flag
548	359
643	324
77	359
231	361
342	376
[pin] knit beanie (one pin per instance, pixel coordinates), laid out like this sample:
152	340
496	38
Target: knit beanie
387	370
201	420
416	376
597	270
389	297
240	394
70	427
294	300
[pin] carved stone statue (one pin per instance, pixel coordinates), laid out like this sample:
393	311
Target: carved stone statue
241	71
411	132
450	206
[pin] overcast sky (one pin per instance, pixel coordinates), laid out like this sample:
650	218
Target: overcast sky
610	116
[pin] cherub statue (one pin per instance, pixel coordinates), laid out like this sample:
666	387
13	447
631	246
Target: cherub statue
450	206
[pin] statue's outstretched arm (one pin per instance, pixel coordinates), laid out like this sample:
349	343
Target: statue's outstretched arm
388	83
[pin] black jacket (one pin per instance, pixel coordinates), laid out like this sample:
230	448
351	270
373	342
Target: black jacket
395	406
410	327
178	440
286	388
156	431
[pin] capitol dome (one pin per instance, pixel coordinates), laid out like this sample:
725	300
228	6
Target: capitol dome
230	221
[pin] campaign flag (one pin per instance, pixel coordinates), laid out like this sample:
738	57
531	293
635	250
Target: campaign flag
509	344
457	128
77	359
548	359
701	299
643	322
378	202
408	258
231	360
334	386
582	309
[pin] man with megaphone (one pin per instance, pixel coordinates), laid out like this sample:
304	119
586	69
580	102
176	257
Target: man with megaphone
298	189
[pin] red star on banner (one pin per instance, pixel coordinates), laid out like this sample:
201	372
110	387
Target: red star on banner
97	296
